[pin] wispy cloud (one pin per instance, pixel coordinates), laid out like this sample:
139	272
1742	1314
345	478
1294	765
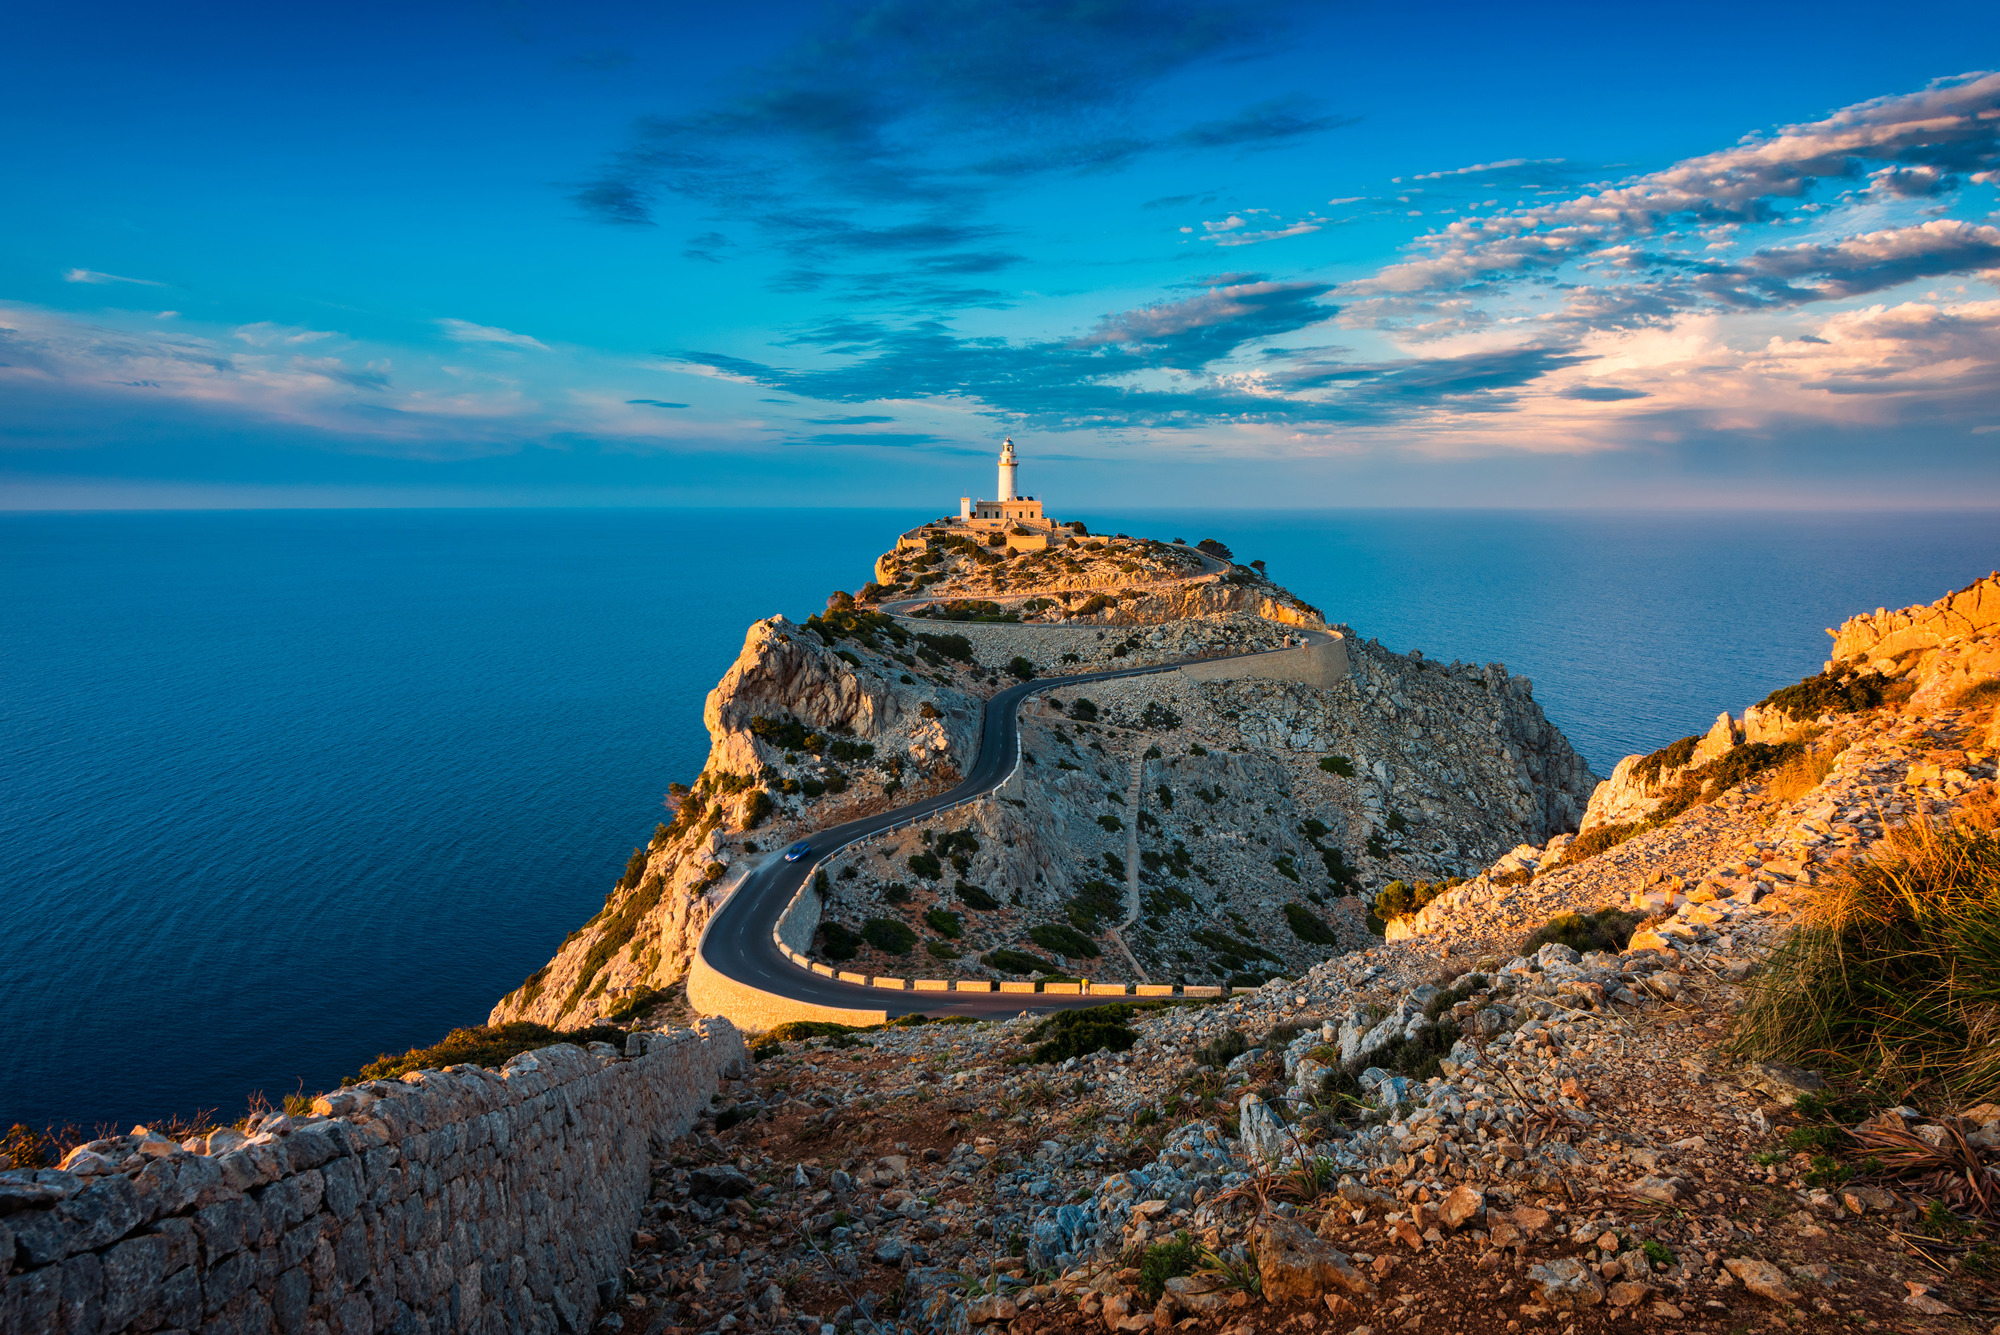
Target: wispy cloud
464	331
93	276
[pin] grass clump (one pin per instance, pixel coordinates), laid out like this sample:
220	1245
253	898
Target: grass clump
1064	940
1606	929
1894	979
1337	764
483	1045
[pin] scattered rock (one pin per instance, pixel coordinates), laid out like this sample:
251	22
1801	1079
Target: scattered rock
1566	1283
1762	1278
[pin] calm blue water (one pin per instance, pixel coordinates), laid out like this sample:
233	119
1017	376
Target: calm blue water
284	790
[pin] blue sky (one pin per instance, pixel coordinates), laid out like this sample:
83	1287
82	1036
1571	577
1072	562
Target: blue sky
1185	252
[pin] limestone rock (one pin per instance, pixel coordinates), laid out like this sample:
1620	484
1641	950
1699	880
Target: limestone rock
1262	1133
1761	1278
1298	1267
1462	1206
1782	1082
1567	1283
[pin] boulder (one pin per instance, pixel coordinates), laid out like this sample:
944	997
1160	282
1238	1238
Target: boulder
1296	1266
1462	1206
1262	1133
720	1180
1762	1278
1785	1084
1567	1283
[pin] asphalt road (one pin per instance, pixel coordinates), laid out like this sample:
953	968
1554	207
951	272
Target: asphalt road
738	942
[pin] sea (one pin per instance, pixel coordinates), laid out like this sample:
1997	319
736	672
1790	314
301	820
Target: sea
284	790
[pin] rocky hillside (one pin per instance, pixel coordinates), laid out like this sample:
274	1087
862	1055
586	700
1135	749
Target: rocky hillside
1515	1117
1227	827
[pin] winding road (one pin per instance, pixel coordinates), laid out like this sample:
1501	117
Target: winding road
738	942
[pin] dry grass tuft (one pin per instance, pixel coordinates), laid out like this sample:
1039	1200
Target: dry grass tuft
1894	980
1801	774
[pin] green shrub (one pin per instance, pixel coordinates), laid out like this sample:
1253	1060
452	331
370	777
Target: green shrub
487	1045
1097	903
787	733
1896	978
888	935
1671	756
1215	549
955	647
638	1003
976	899
635	868
758	809
1078	1033
1221	1050
1838	690
848	752
1094	604
1020	667
798	1031
1340	765
614	933
838	942
1157	715
1306	926
1166	796
1082	710
1286	867
1064	940
1016	961
896	893
1606	929
945	923
926	865
1399	898
939	950
1111	823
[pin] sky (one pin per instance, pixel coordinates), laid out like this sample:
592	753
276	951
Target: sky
1185	252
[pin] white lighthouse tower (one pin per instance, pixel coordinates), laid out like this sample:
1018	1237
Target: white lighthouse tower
1007	469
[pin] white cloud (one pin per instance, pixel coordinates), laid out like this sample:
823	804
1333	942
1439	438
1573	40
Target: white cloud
464	331
1478	167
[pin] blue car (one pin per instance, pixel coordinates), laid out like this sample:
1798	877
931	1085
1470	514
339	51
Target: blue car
797	851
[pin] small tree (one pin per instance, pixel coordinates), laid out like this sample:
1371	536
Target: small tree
1213	548
1020	667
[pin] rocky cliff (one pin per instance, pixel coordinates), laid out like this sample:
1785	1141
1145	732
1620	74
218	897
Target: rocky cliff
1162	828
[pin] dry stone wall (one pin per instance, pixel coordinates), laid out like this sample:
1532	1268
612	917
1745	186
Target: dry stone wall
456	1200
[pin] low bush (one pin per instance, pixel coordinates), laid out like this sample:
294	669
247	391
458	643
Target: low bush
1399	898
1977	694
1340	765
1671	756
1215	549
896	893
1078	1033
1606	929
1221	1050
1097	904
1894	979
1094	604
1307	926
1841	689
889	936
484	1045
838	941
1157	715
939	950
945	923
757	810
976	899
1111	823
955	647
1020	667
638	1003
926	865
1064	940
1016	961
797	1031
1164	1261
1082	710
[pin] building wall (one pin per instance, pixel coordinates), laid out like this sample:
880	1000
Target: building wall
457	1200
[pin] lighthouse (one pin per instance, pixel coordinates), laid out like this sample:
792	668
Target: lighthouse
1007	469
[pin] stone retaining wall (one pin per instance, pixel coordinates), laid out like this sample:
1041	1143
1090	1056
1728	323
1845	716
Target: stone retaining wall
455	1200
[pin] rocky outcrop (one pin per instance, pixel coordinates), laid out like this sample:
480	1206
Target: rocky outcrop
808	727
1971	613
786	672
